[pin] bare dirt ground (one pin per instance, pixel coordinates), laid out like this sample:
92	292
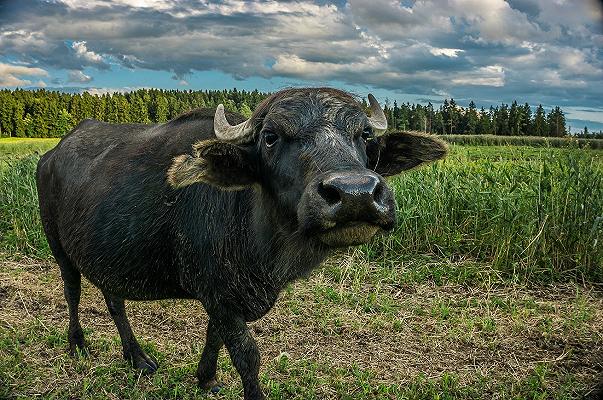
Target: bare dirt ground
491	340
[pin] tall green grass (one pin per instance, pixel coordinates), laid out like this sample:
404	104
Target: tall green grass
539	218
533	214
20	226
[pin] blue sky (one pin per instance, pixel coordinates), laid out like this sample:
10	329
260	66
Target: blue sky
489	51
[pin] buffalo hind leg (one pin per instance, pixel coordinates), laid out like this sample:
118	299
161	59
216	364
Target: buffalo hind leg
206	371
244	354
72	280
72	288
132	351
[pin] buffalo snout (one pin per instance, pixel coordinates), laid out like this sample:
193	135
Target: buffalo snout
345	208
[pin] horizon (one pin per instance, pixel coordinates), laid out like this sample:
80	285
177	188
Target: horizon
490	52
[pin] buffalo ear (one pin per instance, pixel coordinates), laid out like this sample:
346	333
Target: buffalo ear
391	154
221	164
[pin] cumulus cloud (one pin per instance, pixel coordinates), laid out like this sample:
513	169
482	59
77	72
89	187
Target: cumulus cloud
491	75
453	53
11	75
536	50
82	52
78	77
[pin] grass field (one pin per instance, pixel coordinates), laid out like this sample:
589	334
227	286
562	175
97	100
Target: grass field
490	287
534	141
15	147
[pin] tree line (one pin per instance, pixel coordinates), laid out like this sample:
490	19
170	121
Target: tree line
505	120
43	113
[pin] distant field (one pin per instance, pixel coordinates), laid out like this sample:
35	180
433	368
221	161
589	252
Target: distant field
536	141
490	287
11	147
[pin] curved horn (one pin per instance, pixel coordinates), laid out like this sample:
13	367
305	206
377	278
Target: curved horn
231	133
377	118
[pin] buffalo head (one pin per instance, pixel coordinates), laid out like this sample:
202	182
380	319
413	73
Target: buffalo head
316	158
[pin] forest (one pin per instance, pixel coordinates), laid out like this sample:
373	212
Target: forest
44	113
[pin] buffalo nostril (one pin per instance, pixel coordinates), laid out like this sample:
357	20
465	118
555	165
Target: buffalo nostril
329	194
379	194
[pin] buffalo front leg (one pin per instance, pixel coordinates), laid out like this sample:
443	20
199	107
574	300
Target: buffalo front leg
244	354
206	371
132	351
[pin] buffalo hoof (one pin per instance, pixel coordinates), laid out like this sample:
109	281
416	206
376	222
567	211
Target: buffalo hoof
77	350
143	362
77	345
213	386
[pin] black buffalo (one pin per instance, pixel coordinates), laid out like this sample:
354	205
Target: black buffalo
197	208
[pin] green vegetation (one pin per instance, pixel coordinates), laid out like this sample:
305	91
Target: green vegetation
469	298
534	141
41	113
541	218
13	148
532	214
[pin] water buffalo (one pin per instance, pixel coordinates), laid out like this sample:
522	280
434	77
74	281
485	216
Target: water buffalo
214	207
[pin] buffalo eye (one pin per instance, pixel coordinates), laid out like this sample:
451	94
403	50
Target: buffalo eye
270	138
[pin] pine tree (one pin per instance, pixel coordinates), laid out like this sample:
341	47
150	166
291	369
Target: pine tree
394	116
138	110
29	127
39	118
111	113
122	108
525	125
514	119
100	106
484	126
75	108
18	128
245	110
430	115
175	107
502	120
161	109
556	123
471	119
539	125
439	124
64	123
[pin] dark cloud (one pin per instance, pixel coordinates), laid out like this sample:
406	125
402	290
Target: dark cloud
541	51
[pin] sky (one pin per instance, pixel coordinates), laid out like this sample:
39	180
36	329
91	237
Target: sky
545	52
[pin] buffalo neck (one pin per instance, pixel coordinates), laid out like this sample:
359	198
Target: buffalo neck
246	232
284	251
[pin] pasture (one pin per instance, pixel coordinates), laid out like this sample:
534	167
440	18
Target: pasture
490	287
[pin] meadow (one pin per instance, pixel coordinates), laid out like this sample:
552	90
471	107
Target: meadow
490	287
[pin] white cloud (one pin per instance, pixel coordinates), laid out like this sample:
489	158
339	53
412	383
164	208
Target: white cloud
82	51
452	53
108	90
91	4
10	75
492	75
77	76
